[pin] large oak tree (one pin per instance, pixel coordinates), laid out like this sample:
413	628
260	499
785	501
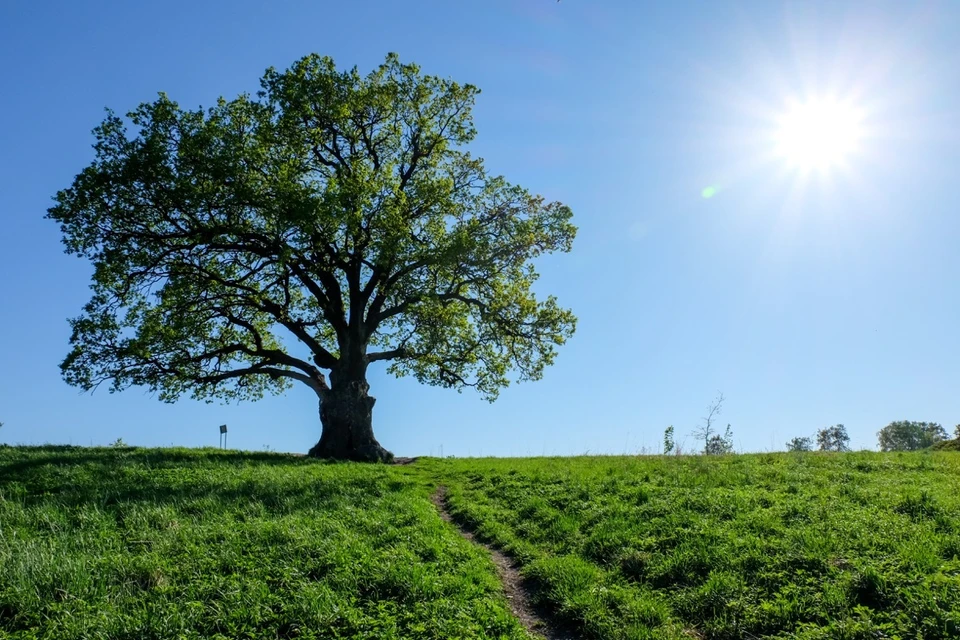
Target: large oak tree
331	221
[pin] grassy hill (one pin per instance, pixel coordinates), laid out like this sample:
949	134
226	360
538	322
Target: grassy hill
174	543
145	544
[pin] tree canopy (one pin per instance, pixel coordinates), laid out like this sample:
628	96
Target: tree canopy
331	221
834	438
905	435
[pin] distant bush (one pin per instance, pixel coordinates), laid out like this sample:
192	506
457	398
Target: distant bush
800	444
905	435
947	445
718	445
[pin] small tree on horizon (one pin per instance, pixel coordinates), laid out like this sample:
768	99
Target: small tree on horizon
834	438
668	442
705	431
331	222
802	443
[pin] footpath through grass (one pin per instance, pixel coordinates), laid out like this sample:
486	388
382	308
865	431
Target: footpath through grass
174	543
140	544
807	546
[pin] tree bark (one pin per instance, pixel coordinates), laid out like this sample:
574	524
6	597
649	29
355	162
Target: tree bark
346	415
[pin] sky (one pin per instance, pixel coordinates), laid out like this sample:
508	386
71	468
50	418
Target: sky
808	272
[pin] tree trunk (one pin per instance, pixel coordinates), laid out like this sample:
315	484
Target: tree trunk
346	414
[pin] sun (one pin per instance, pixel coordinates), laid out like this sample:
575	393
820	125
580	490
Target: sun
818	134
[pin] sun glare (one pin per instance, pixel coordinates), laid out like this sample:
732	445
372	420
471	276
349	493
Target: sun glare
818	134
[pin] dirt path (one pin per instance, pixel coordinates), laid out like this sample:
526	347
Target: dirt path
517	595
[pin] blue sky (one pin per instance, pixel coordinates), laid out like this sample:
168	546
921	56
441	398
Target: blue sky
807	297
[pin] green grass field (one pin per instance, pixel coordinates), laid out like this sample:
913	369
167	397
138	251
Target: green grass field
144	544
174	543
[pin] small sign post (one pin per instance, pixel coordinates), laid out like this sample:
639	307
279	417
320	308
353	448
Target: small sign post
223	436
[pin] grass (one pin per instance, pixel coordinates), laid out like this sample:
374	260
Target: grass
175	543
860	545
103	543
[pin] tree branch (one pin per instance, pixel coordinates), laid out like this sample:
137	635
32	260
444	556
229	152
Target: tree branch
392	354
317	384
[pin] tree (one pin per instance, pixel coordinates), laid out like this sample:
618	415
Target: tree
719	445
668	442
331	222
904	435
800	444
956	432
705	431
833	438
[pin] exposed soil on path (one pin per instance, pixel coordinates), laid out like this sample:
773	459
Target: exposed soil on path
513	587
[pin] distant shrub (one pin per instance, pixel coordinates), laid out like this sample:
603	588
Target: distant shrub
947	445
719	445
800	444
